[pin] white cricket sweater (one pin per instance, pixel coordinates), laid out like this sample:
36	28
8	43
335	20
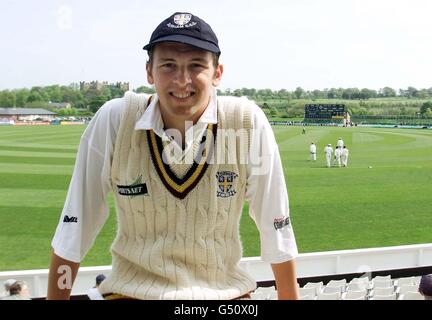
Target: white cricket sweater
178	225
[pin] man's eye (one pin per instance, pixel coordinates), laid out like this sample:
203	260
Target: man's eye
168	66
197	66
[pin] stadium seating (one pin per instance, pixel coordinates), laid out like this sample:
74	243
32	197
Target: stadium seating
311	291
317	285
355	295
382	284
357	286
405	281
379	288
328	296
337	283
384	297
381	291
411	296
307	297
407	288
332	289
264	293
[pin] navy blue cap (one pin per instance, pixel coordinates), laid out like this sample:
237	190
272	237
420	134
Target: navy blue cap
185	28
425	286
100	278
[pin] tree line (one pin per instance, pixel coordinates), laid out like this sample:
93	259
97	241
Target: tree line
332	93
282	103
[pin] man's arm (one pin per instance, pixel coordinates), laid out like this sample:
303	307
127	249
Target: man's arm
286	280
62	274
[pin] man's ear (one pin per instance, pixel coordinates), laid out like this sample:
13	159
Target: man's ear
218	75
150	79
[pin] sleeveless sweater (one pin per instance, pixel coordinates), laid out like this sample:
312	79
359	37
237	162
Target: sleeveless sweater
178	224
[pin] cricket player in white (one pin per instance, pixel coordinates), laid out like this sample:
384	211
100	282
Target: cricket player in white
344	156
328	152
340	143
313	151
337	157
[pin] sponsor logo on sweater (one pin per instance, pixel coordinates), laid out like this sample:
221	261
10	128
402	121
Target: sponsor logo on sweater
67	219
279	223
137	188
226	183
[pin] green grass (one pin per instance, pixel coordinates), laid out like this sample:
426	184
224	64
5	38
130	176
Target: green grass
331	208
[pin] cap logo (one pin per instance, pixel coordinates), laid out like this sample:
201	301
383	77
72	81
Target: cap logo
182	20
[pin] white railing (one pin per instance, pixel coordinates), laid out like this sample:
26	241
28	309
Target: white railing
308	265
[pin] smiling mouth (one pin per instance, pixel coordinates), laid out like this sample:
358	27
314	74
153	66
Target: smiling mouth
182	95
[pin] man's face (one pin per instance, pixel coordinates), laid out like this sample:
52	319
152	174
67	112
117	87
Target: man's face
183	77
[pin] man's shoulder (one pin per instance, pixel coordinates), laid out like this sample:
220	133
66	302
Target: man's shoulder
230	102
234	101
113	106
117	105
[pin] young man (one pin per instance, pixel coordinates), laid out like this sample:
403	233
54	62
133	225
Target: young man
344	156
340	143
93	293
337	156
328	150
18	291
178	220
312	150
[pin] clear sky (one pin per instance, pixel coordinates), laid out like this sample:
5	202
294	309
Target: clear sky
265	44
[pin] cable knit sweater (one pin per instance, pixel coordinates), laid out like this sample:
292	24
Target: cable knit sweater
178	224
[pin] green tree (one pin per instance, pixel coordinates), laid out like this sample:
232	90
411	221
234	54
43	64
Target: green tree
144	89
21	97
7	99
387	92
34	96
96	103
423	94
334	93
412	92
238	92
428	113
299	92
425	107
54	93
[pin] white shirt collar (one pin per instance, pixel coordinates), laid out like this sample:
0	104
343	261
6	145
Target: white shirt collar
152	118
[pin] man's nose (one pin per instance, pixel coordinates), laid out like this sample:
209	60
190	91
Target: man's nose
182	76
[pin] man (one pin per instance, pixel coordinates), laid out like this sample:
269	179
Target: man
340	143
337	157
328	150
18	291
178	234
94	293
344	156
312	150
7	284
425	286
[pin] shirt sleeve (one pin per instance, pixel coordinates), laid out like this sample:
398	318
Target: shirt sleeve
86	207
267	194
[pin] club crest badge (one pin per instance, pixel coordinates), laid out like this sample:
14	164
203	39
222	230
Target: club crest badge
182	18
226	183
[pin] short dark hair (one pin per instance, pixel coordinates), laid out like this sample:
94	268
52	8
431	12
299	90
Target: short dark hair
16	288
214	55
